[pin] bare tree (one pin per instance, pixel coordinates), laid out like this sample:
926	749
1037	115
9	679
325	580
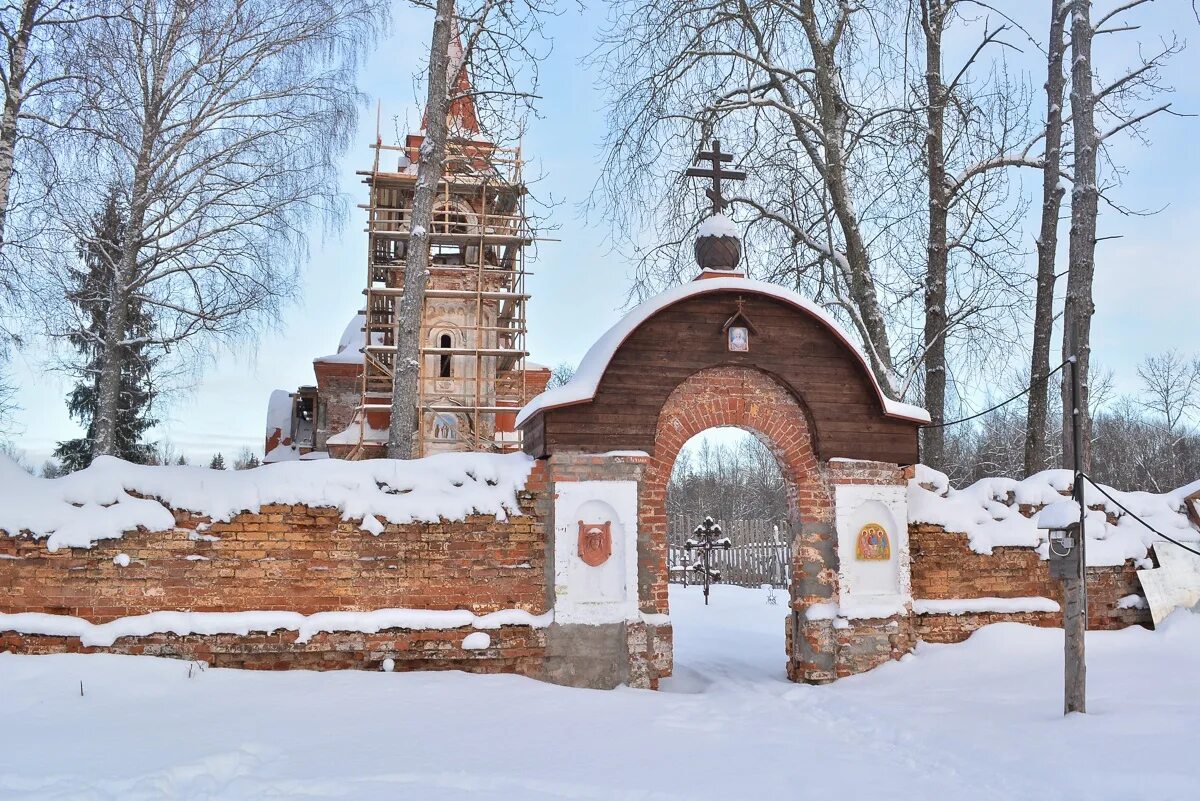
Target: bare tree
219	122
1120	105
562	373
8	405
1036	442
837	144
32	73
491	38
730	480
972	132
1171	387
791	85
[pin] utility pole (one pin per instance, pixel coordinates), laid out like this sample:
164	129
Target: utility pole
1075	585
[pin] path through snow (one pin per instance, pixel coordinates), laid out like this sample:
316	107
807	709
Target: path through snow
974	721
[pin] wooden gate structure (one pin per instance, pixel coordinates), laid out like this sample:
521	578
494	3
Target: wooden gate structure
674	367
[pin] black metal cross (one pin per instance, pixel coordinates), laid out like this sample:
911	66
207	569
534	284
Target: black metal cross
706	538
716	173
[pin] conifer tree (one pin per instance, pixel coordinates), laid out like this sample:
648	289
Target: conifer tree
90	296
217	463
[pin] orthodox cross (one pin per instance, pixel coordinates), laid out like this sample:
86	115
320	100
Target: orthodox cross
706	538
716	173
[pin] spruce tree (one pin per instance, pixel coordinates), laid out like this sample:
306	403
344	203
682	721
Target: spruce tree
217	463
91	293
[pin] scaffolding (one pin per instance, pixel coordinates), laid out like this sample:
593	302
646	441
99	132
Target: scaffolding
473	328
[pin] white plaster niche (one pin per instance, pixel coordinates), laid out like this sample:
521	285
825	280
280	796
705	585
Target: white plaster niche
868	585
604	591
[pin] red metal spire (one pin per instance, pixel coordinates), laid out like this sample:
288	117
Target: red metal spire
461	114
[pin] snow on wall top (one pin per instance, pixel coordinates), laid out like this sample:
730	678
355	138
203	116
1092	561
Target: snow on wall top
95	504
582	386
988	513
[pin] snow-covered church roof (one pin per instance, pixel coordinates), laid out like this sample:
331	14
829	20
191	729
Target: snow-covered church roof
583	385
350	346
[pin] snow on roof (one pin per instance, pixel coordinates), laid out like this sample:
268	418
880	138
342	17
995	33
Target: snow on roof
350	346
717	225
96	503
582	386
988	513
354	431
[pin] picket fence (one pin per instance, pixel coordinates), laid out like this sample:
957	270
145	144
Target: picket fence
761	553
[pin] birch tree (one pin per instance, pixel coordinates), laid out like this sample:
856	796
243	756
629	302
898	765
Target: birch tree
811	106
33	74
1036	445
837	144
1120	106
220	122
406	389
495	41
974	129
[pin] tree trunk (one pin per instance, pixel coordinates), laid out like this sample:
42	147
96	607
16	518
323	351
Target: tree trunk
112	363
933	21
1036	447
406	390
117	314
833	117
1078	309
14	97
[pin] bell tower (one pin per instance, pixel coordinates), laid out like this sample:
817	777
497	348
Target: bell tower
472	371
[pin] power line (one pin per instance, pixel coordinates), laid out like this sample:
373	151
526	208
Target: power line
1140	520
1018	396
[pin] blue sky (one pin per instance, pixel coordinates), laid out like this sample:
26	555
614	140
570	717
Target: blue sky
1147	292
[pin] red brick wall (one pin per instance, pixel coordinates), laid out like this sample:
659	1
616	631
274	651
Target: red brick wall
945	567
300	559
339	388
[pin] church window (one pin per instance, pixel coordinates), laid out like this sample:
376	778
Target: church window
444	363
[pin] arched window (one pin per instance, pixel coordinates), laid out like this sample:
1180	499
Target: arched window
444	363
447	219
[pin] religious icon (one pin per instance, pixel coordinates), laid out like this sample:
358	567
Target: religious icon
873	544
445	427
739	338
595	543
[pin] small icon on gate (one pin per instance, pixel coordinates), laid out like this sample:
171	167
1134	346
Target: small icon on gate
595	543
873	544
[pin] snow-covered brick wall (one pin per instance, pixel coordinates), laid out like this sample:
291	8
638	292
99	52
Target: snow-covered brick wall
112	497
979	554
268	568
996	512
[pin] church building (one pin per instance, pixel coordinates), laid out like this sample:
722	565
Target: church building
474	376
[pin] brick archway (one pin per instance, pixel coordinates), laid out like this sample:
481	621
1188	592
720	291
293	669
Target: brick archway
752	400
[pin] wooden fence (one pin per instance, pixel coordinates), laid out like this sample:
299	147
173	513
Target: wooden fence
761	553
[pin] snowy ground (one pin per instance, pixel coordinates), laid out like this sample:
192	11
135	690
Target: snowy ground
974	721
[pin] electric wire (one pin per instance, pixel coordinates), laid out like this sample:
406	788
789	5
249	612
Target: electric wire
1135	517
1018	396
